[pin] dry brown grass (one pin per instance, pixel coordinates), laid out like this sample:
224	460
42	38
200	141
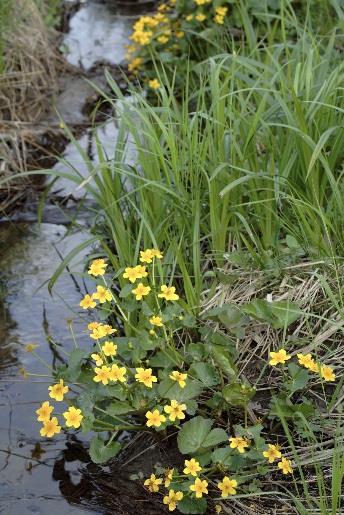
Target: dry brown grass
317	288
26	86
30	74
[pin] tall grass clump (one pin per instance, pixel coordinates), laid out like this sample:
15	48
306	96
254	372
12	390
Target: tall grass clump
251	157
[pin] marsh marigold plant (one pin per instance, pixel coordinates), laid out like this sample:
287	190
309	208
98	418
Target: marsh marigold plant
147	364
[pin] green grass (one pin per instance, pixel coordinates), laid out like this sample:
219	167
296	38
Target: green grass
251	157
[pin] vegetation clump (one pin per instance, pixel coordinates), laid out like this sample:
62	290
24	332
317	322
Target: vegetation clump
164	370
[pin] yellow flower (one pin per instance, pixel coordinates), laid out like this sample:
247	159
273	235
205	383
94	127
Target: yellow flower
180	34
135	272
156	320
315	367
142	37
154	418
179	377
273	453
145	377
58	390
221	11
50	427
101	331
135	64
118	373
97	267
93	325
219	19
278	357
306	360
192	467
327	373
140	291
98	359
154	84
97	333
109	349
44	412
88	302
73	417
160	18
189	17
168	293
23	372
202	2
168	477
162	8
162	40
200	17
175	410
239	443
142	271
285	466
102	294
153	483
108	330
30	347
102	375
199	487
172	499
146	256
227	486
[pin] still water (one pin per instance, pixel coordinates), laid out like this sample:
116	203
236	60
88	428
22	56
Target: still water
55	476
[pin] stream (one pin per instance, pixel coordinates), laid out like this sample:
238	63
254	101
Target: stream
37	475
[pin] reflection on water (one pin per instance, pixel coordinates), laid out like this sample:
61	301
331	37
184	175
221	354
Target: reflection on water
55	476
96	35
28	255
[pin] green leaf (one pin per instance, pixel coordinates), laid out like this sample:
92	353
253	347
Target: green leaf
169	389
191	407
281	406
223	359
189	321
126	291
238	394
299	378
215	437
197	351
119	408
87	422
292	242
111	390
192	506
222	455
205	372
169	358
231	317
192	435
204	458
101	453
73	369
279	314
130	349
